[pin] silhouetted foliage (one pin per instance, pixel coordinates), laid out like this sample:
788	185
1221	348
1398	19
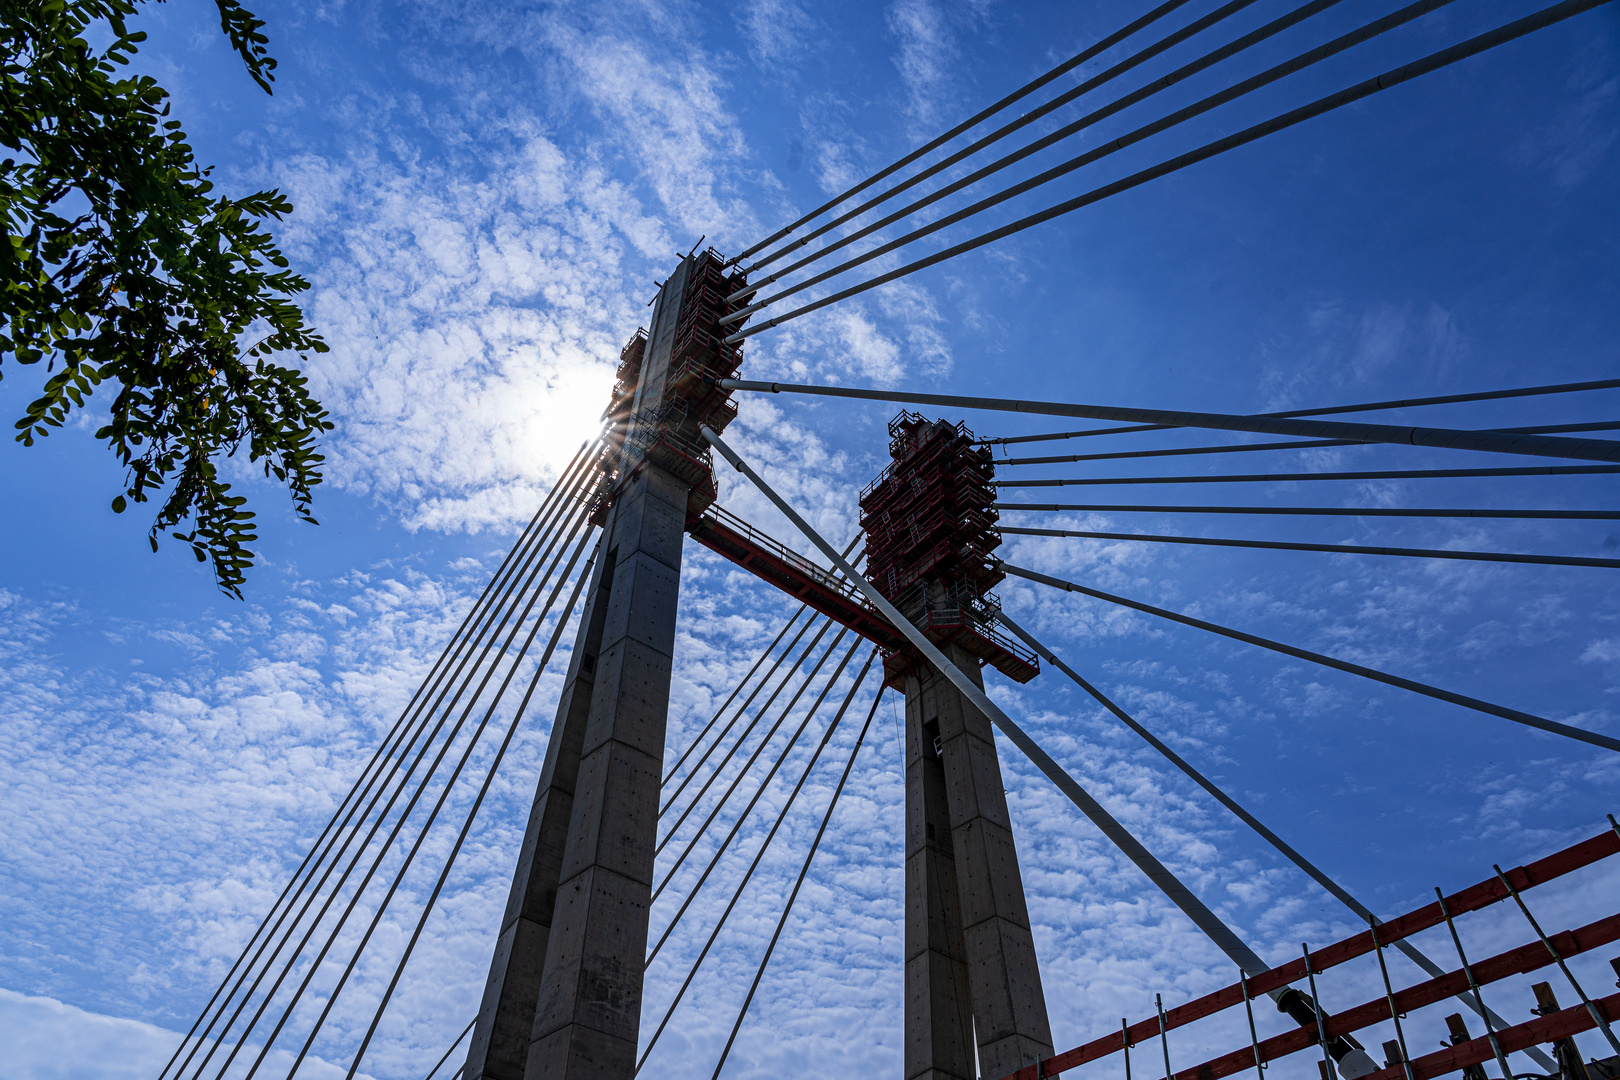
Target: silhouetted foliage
121	265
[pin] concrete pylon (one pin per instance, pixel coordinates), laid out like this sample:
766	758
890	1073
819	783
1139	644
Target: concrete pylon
970	958
563	998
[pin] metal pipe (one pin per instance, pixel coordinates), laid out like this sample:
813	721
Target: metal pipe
1164	1037
1491	441
1389	996
1473	984
1528	719
1317	511
1254	1035
1344	549
1321	1023
1602	1023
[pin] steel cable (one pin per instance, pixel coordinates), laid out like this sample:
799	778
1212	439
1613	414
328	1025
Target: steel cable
758	857
1527	719
1300	444
481	623
743	738
804	871
721	711
787	711
1343	549
1311	870
1394	77
460	681
1483	441
1283	478
1371	406
1318	511
1135	60
759	792
563	618
727	729
742	710
1022	92
356	793
1289	67
534	586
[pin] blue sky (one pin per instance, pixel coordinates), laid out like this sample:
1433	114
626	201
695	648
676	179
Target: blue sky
485	194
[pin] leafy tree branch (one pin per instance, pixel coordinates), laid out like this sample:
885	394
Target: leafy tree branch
120	264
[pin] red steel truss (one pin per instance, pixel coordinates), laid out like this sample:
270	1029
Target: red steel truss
1529	957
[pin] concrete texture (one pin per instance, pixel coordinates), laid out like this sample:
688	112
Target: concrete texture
970	958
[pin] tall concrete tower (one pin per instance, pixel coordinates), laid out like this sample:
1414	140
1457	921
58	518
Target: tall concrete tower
972	981
563	999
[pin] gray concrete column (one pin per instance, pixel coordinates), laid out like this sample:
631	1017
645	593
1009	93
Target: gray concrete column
589	1002
1007	1002
939	1001
500	1041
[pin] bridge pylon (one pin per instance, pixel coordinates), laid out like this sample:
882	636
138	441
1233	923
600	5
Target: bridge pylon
563	997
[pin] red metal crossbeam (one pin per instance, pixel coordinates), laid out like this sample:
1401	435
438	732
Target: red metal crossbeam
1472	898
1543	1029
1517	961
734	539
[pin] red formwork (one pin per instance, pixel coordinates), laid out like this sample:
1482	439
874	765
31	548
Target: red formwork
1522	959
930	527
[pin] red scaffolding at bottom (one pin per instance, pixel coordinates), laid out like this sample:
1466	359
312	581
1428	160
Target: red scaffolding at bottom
1534	955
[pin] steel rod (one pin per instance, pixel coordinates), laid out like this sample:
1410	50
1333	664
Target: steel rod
1603	1025
1493	441
1348	549
1473	984
1527	719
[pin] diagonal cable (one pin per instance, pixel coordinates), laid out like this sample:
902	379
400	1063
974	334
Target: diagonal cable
1311	870
563	618
1022	92
804	871
787	711
1394	77
1528	719
1281	478
758	857
398	754
1317	511
1340	549
534	587
759	792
